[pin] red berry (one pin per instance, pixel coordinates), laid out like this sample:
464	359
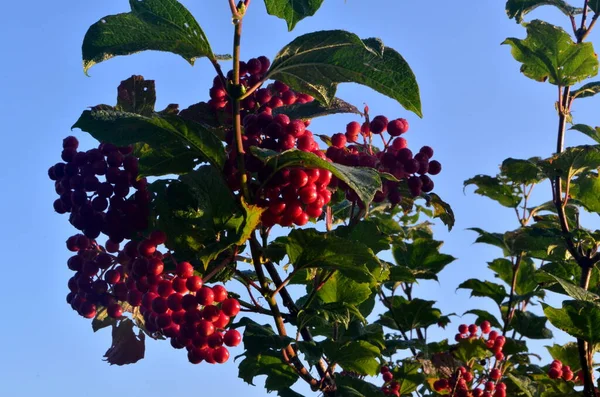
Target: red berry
220	293
493	335
220	354
231	307
222	321
384	369
486	327
397	127
473	329
388	376
554	373
495	374
298	178
232	338
205	296
185	269
463	328
115	310
490	386
194	283
205	328
338	140
296	128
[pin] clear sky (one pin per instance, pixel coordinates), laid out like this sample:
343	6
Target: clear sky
478	110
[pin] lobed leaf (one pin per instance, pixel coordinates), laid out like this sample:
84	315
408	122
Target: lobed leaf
549	53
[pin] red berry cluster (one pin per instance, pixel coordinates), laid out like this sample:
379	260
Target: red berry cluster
557	370
395	158
391	387
94	186
275	95
459	383
293	195
463	381
495	341
176	305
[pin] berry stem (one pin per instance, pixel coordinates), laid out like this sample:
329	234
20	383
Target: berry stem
510	312
234	92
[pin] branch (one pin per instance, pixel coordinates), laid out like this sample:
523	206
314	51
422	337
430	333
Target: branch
510	313
288	352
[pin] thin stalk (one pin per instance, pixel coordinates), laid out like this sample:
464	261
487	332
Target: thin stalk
288	352
510	313
589	29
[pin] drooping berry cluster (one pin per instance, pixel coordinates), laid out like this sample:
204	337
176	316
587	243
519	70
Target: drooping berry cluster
557	371
94	187
175	304
463	381
395	158
390	387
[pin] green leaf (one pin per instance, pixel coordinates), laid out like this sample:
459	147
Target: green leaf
314	109
574	291
572	161
586	189
577	318
422	257
495	239
517	9
485	289
592	132
525	277
261	338
364	181
307	248
160	25
468	349
409	315
168	134
496	189
483	315
525	385
549	53
102	320
288	393
530	326
279	374
315	63
594	5
292	11
366	232
409	376
567	354
201	215
342	289
587	90
538	241
441	210
356	356
522	171
127	347
136	95
350	386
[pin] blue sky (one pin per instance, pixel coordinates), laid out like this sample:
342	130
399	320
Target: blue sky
478	110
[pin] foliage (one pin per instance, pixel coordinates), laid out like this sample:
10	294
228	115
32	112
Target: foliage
227	172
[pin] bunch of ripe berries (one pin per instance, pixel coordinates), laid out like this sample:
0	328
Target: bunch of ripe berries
462	382
395	158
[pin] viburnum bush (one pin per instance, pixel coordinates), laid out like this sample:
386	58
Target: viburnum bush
173	205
